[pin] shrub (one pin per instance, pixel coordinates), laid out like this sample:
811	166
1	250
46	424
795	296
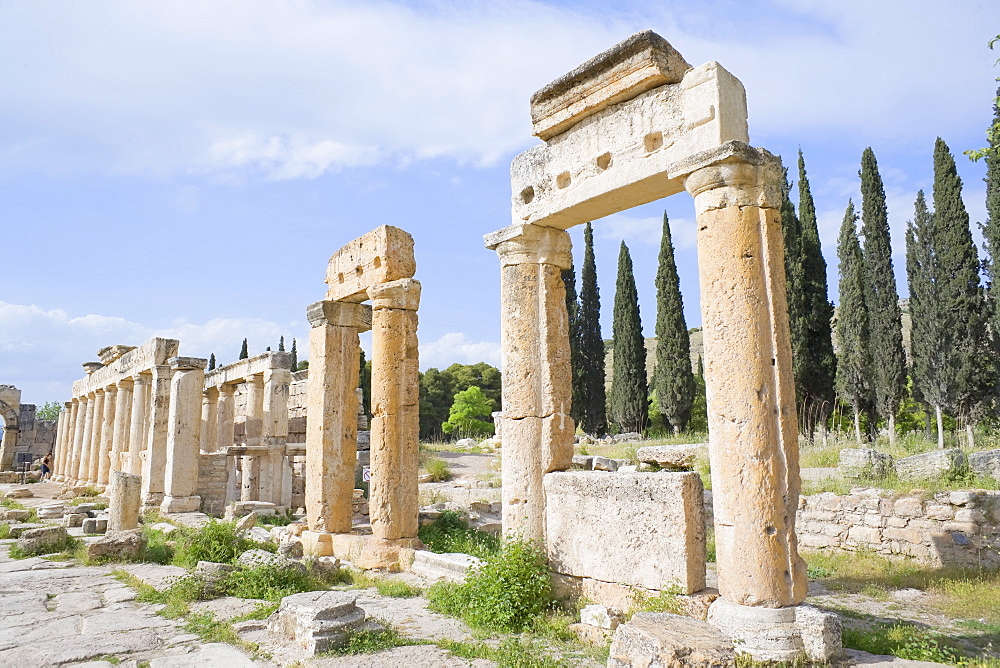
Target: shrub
438	469
269	582
215	541
451	533
503	594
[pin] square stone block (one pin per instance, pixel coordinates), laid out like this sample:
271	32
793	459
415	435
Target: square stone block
385	254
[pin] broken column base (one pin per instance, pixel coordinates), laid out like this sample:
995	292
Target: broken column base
364	551
319	620
778	634
664	639
180	504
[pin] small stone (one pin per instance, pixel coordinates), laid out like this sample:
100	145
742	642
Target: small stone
605	464
252	558
19	493
293	550
125	545
38	541
663	639
260	535
247	522
598	615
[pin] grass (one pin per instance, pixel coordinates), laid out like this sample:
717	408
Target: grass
438	469
276	520
4	531
665	601
215	541
371	641
451	533
396	588
68	544
906	641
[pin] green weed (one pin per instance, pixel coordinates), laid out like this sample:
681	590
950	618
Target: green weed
438	469
215	541
396	588
269	582
371	641
451	533
905	641
68	544
4	531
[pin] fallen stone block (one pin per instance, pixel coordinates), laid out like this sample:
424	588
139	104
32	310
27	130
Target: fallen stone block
74	519
605	464
164	528
17	529
292	550
19	493
663	639
864	464
93	525
247	522
599	616
465	443
42	540
127	545
445	566
213	575
252	558
681	457
933	465
319	620
985	463
259	535
15	514
585	462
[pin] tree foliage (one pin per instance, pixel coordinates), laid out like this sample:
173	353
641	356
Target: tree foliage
573	322
470	414
48	411
244	353
673	379
628	403
588	377
211	362
365	383
854	365
438	389
295	356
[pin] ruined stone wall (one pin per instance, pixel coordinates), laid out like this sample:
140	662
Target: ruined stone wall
212	478
947	528
297	407
37	437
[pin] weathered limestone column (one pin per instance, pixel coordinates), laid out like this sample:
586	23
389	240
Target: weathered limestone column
274	431
66	441
751	393
209	420
123	414
94	410
395	398
184	435
7	447
80	421
61	432
109	422
537	377
226	413
125	494
250	489
331	431
137	424
154	462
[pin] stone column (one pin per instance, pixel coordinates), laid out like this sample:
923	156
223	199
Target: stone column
226	417
109	422
79	432
331	430
154	462
137	424
184	435
60	448
125	495
395	398
250	490
209	420
7	447
66	441
274	431
537	377
92	435
123	414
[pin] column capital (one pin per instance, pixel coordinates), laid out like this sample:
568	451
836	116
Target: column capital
257	380
227	390
124	383
402	294
340	314
98	392
140	378
68	405
750	178
525	243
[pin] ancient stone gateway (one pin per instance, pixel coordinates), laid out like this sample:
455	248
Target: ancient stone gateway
378	266
10	404
635	124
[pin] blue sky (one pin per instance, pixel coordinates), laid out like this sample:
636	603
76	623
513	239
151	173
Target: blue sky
186	168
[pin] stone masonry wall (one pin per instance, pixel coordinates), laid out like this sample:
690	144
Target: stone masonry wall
212	479
35	436
947	528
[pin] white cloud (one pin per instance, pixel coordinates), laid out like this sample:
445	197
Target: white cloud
646	230
453	347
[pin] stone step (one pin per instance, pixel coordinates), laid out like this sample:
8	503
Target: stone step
448	566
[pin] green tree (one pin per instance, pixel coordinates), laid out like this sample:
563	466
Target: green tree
365	383
295	357
673	379
211	361
628	404
573	321
281	345
469	414
814	363
49	411
854	364
888	364
244	354
991	243
589	376
929	323
957	279
436	397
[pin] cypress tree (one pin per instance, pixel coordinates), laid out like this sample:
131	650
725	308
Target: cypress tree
573	315
928	329
592	407
673	379
888	368
295	357
815	365
958	286
211	361
991	242
854	363
243	351
629	404
791	231
281	345
365	382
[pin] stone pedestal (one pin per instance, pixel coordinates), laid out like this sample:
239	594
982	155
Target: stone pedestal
753	442
778	634
534	337
183	435
125	494
395	402
331	431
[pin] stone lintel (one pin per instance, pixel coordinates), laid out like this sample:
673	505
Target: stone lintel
629	153
185	363
238	372
110	353
402	294
340	314
643	61
141	359
385	254
519	244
